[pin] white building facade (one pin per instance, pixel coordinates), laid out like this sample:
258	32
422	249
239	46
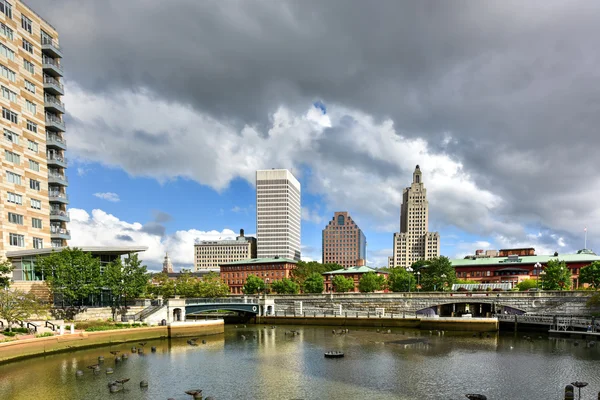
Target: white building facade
414	242
277	214
209	254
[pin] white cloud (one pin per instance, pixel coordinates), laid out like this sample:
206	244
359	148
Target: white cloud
311	216
103	229
109	196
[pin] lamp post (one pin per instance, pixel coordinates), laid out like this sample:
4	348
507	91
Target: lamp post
543	273
418	280
410	271
537	269
331	283
443	281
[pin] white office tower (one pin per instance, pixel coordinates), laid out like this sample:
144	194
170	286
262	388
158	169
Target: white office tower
277	214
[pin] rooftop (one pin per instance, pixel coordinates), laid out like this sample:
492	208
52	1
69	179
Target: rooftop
504	261
112	250
261	261
354	270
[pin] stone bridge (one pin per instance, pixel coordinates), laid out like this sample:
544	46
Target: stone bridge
442	304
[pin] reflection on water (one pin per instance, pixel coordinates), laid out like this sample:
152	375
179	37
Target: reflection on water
270	364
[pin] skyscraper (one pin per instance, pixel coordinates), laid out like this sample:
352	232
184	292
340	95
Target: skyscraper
277	214
344	243
33	181
414	242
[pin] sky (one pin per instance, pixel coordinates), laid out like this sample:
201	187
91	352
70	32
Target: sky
173	106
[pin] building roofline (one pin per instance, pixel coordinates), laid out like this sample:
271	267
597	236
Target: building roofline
260	261
119	250
38	15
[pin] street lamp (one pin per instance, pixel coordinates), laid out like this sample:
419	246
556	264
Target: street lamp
410	271
443	281
331	284
418	276
537	269
543	273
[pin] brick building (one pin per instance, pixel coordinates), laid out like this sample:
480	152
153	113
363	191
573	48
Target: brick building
355	273
344	243
268	269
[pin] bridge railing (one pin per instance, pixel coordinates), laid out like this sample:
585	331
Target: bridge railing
222	300
564	321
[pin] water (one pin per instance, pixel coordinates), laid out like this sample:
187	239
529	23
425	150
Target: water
279	366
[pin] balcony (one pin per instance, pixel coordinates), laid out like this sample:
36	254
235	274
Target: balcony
53	86
58	179
51	47
59	233
55	141
56	160
58	197
54	123
52	104
59	215
51	67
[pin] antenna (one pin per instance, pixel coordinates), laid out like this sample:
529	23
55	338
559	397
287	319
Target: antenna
585	238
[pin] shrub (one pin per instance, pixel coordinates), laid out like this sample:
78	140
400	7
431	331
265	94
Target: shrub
45	334
18	330
497	290
6	333
462	289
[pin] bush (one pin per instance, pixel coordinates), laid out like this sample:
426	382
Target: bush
6	333
462	289
45	334
18	330
497	290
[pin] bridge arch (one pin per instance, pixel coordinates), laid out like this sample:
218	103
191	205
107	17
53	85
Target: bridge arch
469	306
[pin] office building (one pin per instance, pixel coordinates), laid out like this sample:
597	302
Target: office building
267	269
33	181
414	242
209	254
344	243
277	214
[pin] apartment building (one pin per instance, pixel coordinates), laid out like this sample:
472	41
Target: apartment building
414	242
209	254
277	214
344	243
32	148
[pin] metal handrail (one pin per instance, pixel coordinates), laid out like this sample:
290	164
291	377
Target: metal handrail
58	194
52	326
31	324
56	158
53	118
59	212
226	300
58	176
55	138
52	42
51	61
53	100
51	80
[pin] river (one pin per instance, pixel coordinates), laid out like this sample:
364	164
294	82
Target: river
270	364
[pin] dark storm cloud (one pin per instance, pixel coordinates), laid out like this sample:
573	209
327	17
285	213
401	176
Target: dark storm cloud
154	228
513	84
125	238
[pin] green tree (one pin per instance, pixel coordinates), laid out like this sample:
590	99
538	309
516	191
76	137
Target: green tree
417	265
591	275
314	283
19	306
341	284
438	274
185	285
253	285
285	286
6	268
125	279
400	280
527	284
557	276
73	275
371	282
160	285
305	268
211	285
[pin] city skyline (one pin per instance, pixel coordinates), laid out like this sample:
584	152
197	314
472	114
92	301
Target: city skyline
161	153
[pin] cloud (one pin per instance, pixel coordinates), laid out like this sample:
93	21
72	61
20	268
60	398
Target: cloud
161	216
99	228
311	215
498	108
243	210
109	196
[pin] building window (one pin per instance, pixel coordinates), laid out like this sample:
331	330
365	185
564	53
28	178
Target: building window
32	126
17	240
12	157
340	220
9	94
6	8
15	218
31	106
26	23
6	31
38	243
33	146
8	74
6	52
36	223
29	86
36	204
34	165
29	66
9	115
33	184
27	46
14	198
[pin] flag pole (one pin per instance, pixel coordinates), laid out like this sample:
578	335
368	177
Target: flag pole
585	238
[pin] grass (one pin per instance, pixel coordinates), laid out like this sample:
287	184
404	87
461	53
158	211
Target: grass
97	326
45	334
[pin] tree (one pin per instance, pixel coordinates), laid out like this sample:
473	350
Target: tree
438	274
417	265
253	285
73	275
314	283
6	268
125	280
371	282
341	284
211	285
400	280
285	286
527	284
19	306
305	268
591	275
185	285
161	285
557	276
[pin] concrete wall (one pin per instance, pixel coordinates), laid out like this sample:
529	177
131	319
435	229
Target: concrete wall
104	313
556	302
23	348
